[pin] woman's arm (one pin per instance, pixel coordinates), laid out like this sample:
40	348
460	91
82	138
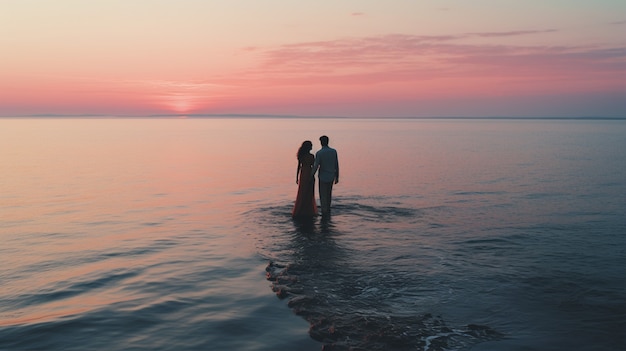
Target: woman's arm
298	171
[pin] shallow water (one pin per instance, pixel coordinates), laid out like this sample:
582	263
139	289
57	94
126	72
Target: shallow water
156	234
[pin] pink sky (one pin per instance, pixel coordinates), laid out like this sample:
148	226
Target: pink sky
350	58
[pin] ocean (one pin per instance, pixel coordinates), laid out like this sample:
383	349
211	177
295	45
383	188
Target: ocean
176	234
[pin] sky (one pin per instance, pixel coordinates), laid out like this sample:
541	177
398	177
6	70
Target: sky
353	58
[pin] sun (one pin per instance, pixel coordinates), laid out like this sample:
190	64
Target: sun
180	103
184	98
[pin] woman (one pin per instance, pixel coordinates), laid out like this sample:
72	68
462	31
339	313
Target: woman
305	201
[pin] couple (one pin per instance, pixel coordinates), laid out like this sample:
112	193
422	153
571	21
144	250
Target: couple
326	161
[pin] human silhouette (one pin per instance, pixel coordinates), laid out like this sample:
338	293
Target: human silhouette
328	164
305	205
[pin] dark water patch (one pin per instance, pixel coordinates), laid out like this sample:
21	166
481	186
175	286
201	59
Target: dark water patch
151	224
130	252
169	308
486	243
544	195
104	223
94	330
478	193
590	308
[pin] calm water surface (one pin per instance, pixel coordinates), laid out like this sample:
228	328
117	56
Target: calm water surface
176	235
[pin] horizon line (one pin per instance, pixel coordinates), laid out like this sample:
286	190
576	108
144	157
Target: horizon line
279	116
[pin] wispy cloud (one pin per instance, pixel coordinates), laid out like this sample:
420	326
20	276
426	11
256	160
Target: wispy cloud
414	58
176	85
511	33
382	50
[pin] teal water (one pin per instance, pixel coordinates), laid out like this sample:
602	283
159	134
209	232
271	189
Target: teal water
143	234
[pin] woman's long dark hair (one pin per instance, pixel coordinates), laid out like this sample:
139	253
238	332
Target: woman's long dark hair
304	149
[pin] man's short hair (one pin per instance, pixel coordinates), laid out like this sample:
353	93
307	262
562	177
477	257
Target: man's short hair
324	140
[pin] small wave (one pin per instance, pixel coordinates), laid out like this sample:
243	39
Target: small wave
378	214
69	289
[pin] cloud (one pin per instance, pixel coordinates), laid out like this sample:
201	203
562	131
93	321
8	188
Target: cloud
418	58
357	14
364	51
179	86
386	49
511	33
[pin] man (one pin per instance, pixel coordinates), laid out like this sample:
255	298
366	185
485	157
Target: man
328	164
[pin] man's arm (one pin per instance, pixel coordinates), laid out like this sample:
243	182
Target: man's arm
336	168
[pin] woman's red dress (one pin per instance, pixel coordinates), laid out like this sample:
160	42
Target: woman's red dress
305	200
